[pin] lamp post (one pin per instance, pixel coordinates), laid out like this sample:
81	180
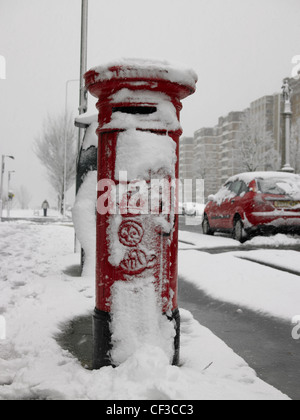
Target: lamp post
83	57
83	97
8	192
2	180
65	144
287	115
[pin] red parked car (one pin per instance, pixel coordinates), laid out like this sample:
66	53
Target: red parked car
255	203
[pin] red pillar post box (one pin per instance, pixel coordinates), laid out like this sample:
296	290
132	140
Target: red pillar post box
139	104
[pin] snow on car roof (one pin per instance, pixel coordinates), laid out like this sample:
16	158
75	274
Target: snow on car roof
247	177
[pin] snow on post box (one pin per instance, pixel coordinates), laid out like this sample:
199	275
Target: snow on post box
139	104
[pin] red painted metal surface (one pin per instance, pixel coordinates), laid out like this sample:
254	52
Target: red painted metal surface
149	252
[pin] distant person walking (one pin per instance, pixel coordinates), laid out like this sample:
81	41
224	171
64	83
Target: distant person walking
45	207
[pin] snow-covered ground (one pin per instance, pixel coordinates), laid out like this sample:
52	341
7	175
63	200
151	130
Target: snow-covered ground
35	213
37	297
285	260
274	241
189	240
30	213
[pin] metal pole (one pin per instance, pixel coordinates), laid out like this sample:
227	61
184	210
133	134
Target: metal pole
287	114
83	93
287	139
8	189
83	101
287	164
65	152
65	146
2	180
83	57
8	186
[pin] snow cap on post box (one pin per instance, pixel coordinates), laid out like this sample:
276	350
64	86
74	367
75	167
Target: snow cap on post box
132	70
149	83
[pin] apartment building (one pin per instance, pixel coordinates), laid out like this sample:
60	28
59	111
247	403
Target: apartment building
215	150
213	153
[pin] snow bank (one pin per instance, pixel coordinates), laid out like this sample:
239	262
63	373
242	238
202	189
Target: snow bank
37	297
84	218
275	241
137	320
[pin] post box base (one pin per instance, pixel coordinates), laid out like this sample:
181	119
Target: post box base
176	318
102	339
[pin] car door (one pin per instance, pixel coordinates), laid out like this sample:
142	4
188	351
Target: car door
223	206
231	204
239	203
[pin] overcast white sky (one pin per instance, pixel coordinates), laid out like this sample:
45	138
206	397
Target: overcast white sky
240	49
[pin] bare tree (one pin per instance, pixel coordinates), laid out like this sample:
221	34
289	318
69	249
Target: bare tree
295	146
255	147
202	165
24	197
50	147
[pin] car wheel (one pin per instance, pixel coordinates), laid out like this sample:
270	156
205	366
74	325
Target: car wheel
206	227
239	233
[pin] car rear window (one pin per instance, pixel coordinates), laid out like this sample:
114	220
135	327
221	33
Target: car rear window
280	186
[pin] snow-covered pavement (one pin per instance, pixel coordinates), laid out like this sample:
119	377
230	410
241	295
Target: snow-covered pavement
193	240
231	278
189	240
37	297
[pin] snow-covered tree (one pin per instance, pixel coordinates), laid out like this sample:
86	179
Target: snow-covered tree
255	147
50	149
295	147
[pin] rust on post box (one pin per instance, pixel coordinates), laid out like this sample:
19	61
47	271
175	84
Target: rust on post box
139	104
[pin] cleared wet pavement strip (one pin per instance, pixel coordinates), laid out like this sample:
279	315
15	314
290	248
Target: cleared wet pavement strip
265	343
